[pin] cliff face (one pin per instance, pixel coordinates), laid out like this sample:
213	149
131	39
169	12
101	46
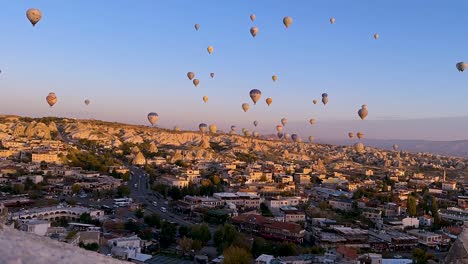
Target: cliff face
17	247
458	253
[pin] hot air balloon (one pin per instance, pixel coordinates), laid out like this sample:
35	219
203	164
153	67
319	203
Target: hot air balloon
245	107
196	82
247	133
287	21
190	75
279	128
284	121
324	98
376	36
177	128
213	129
255	95
274	78
233	128
153	118
461	66
287	136
279	134
202	127
210	49
33	15
256	134
255	123
197	27
395	147
212	75
269	101
244	129
314	101
312	121
253	17
359	147
332	20
360	135
205	98
254	31
294	137
87	102
363	112
51	99
311	139
351	135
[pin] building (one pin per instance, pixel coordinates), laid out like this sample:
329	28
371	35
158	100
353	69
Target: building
454	214
38	227
269	229
264	259
240	199
426	220
292	214
55	213
301	178
275	203
125	247
449	186
48	157
34	178
342	204
426	238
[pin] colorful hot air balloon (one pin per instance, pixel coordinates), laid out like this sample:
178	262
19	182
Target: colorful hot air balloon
51	99
351	135
279	134
196	82
213	129
256	134
244	129
87	102
461	66
376	36
205	98
284	121
312	121
202	127
332	20
212	75
247	133
360	135
254	31
233	128
190	75
33	15
210	49
245	107
314	101
176	128
294	137
279	128
153	118
255	95
311	139
287	136
269	101
255	123
274	78
324	98
363	112
287	21
253	17
197	27
359	147
395	147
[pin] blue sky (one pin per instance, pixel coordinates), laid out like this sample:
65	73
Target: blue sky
131	57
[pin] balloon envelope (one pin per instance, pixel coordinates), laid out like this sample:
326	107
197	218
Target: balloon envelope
196	82
205	98
255	95
314	101
360	135
233	128
51	99
363	112
245	107
294	137
461	66
33	15
153	118
332	20
287	21
279	134
279	128
269	101
254	31
359	147
190	75
213	129
253	17
312	121
311	139
197	27
212	75
202	127
284	121
351	135
376	36
274	78
210	49
255	123
87	102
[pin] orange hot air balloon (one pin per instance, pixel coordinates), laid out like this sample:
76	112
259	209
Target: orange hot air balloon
269	101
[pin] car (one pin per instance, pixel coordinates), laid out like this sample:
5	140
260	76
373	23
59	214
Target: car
155	203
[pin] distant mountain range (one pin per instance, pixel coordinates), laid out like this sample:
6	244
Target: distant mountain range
450	148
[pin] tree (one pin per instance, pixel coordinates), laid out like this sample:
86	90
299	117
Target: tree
236	255
185	245
123	191
261	246
139	213
265	210
435	210
167	235
227	236
153	220
18	188
75	188
130	225
411	206
175	193
183	231
91	246
85	218
200	232
287	249
420	256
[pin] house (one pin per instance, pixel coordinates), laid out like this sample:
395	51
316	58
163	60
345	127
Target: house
34	178
372	214
342	204
275	203
45	156
410	222
125	247
449	186
346	255
426	238
292	214
426	220
264	259
38	227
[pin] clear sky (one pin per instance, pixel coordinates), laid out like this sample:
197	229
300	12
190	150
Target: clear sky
131	57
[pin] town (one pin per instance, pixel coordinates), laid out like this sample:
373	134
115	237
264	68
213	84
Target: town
152	195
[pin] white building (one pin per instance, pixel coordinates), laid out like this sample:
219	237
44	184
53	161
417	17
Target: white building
38	227
125	247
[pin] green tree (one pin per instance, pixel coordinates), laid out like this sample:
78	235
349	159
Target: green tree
236	255
420	256
200	232
265	210
261	246
183	231
139	213
435	210
227	236
123	191
75	188
18	188
91	246
411	207
286	249
167	235
152	220
132	226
